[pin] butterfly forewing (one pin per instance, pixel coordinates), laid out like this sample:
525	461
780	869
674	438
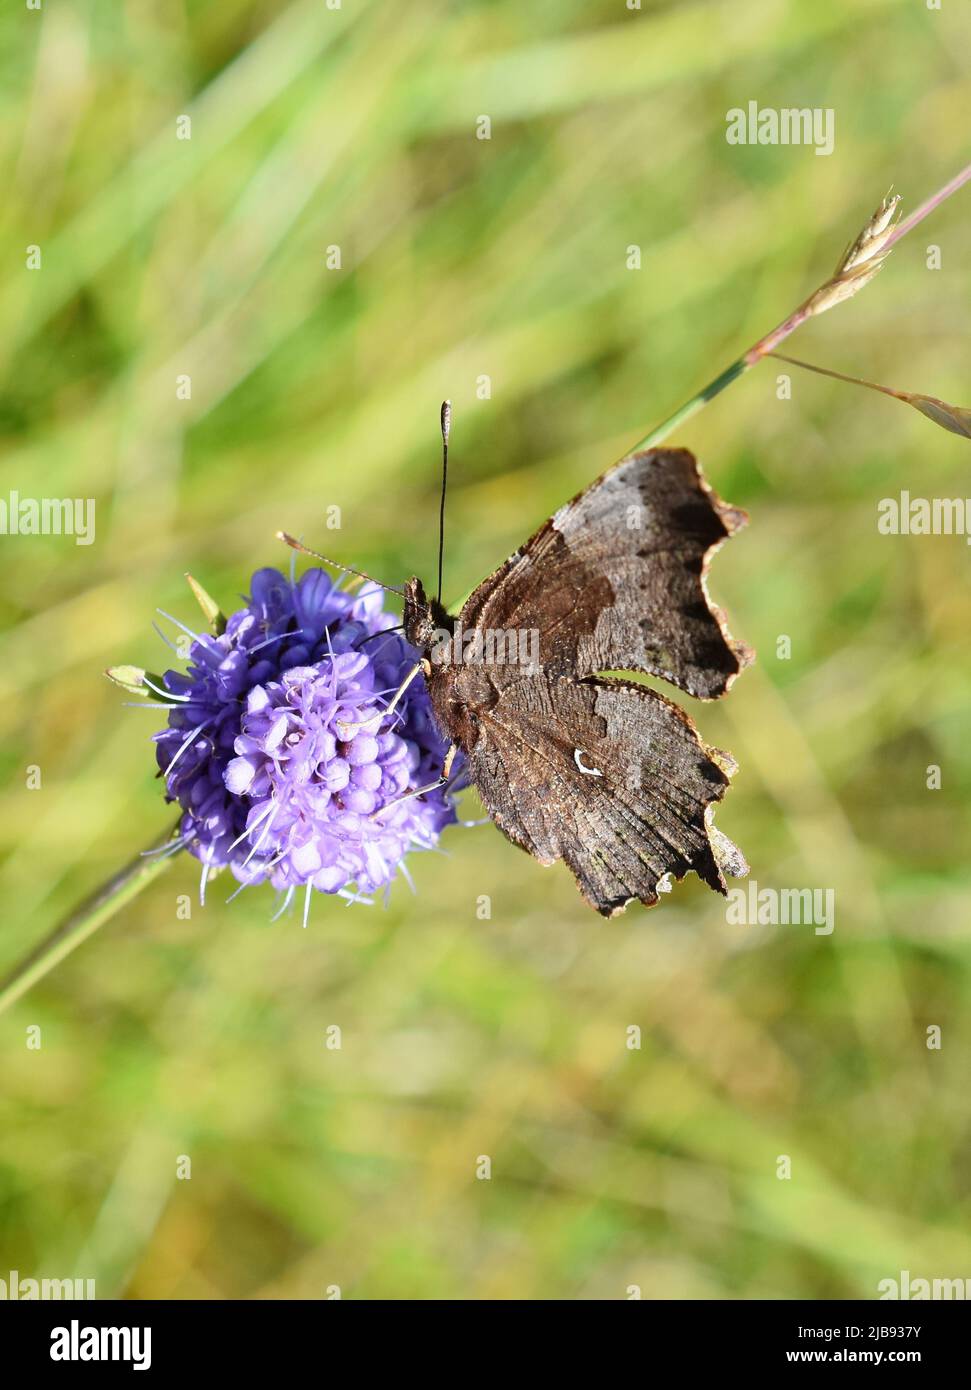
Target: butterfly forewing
615	581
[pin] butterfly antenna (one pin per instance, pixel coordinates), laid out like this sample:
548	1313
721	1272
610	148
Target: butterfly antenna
446	427
294	544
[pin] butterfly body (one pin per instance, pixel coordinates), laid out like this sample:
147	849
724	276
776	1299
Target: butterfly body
573	764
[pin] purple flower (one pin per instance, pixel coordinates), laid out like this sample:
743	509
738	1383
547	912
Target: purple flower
279	751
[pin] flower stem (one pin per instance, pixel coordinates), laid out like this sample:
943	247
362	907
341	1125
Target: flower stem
86	919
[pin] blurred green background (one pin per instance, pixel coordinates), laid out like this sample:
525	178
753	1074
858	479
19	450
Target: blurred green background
311	386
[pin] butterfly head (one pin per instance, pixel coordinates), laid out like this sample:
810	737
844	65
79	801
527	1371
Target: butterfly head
425	619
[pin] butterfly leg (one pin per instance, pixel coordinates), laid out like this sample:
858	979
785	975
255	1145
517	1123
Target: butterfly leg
453	748
347	729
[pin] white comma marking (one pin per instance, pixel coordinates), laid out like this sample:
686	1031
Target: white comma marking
578	755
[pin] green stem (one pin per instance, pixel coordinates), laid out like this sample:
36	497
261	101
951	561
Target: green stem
782	331
668	426
85	920
738	368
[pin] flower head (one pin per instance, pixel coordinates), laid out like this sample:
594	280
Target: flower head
279	750
861	260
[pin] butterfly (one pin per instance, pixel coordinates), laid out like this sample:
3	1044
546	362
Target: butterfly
572	764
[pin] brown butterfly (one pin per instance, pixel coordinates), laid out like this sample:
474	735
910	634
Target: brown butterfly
599	771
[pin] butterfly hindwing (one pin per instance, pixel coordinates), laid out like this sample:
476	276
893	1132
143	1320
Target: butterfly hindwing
606	775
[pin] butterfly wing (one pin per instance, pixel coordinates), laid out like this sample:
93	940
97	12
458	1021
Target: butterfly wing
608	776
605	774
615	581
